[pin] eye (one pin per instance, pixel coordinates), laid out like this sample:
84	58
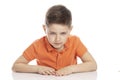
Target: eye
63	33
52	33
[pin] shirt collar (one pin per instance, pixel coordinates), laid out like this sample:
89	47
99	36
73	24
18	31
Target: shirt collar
47	44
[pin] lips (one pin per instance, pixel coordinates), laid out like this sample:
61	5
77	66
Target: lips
57	43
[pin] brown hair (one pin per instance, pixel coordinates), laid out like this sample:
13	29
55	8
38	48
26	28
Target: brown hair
58	14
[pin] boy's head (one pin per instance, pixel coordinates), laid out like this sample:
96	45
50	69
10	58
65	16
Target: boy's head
58	14
58	26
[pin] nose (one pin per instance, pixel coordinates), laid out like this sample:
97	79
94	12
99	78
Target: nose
57	39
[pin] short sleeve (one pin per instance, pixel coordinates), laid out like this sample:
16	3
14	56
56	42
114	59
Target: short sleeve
81	49
30	52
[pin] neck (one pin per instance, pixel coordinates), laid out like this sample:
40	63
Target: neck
60	49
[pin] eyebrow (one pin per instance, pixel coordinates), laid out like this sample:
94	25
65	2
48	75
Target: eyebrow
60	32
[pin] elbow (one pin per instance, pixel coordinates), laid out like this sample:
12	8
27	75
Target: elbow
13	68
94	66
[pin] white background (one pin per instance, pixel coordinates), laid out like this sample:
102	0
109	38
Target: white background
96	22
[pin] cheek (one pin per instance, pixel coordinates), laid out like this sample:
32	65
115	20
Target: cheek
64	38
51	38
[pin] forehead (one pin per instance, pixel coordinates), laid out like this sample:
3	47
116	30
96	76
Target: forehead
57	28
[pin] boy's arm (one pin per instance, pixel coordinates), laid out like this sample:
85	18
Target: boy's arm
89	64
21	65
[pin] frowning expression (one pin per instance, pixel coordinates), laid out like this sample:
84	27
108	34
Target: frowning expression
57	35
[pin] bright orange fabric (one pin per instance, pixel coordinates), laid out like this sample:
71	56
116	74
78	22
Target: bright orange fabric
46	55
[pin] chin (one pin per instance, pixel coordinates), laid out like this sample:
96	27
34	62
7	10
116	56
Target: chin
57	47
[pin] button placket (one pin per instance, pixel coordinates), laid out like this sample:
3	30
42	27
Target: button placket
58	64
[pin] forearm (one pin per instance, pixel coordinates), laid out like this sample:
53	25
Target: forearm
21	67
84	67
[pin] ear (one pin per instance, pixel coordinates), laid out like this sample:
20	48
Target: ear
44	28
71	28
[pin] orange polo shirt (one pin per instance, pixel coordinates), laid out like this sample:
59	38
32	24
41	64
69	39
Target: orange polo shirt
46	55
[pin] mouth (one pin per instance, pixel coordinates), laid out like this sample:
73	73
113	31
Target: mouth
57	43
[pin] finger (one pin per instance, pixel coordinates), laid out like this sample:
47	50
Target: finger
53	72
58	74
43	73
48	72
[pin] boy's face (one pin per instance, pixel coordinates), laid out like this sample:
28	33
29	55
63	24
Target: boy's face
57	35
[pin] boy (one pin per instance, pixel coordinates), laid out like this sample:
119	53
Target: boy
56	53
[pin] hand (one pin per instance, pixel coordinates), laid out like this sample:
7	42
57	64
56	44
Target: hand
46	70
64	71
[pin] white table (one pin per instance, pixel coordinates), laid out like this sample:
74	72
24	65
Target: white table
77	76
